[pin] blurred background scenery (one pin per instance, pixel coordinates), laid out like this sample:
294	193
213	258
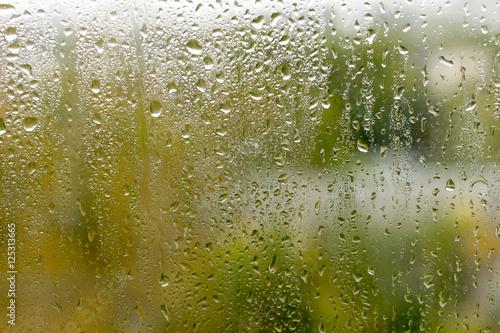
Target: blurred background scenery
251	166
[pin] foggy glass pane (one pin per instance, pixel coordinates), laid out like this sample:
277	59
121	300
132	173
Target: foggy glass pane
250	166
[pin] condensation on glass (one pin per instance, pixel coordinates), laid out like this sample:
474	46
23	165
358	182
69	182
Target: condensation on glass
251	166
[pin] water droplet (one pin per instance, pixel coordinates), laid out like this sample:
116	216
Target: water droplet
279	159
26	69
450	185
285	40
14	47
429	283
166	312
445	61
255	95
31	167
172	87
155	108
30	123
194	47
91	235
221	130
80	304
209	63
164	281
273	265
286	145
258	22
6	9
275	18
185	131
100	46
201	85
2	126
383	151
57	307
225	107
286	72
95	86
283	178
402	50
362	146
10	34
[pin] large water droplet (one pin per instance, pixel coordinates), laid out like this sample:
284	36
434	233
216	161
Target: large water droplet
165	311
225	107
164	281
30	123
95	86
445	61
258	22
10	34
155	107
383	151
194	47
6	9
362	146
450	185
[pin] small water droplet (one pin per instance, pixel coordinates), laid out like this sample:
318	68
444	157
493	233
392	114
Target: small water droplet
402	50
91	235
445	61
2	126
80	304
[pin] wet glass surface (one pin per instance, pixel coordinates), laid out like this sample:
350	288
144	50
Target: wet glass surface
250	166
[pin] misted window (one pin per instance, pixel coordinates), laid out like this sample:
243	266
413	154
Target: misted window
250	166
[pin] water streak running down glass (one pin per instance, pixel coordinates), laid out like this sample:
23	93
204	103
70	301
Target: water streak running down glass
250	166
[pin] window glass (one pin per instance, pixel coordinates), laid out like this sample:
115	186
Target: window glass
250	166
